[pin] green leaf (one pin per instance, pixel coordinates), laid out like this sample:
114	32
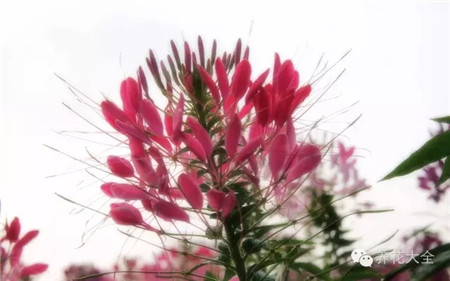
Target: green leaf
428	270
445	171
316	271
444	119
439	250
252	245
209	276
432	151
360	273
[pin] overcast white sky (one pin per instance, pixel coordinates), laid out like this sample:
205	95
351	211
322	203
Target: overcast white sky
398	70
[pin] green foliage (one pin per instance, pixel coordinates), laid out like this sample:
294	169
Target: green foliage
433	150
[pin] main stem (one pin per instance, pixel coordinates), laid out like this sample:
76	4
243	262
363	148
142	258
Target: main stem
233	244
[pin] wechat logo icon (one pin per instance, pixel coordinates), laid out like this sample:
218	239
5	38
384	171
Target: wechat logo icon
360	256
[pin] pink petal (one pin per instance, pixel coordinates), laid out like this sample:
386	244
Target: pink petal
33	269
151	116
13	230
170	211
215	199
222	78
106	188
309	158
178	119
15	254
126	191
201	134
241	79
228	204
145	170
284	77
30	235
131	97
119	166
299	96
125	214
278	153
209	82
112	113
131	131
194	146
232	135
191	191
256	85
248	150
263	106
290	133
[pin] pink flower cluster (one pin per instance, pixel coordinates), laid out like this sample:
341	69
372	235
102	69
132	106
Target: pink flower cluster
219	127
11	248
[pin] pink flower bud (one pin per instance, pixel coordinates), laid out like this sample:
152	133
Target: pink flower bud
125	214
120	167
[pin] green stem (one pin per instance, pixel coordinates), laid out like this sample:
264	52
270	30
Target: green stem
233	244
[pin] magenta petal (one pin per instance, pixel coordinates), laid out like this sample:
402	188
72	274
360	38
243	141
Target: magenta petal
169	211
215	199
151	116
119	166
210	84
33	269
256	86
241	79
308	158
248	150
201	134
278	153
232	135
222	78
112	113
228	204
178	119
125	214
191	191
13	230
127	191
131	97
194	146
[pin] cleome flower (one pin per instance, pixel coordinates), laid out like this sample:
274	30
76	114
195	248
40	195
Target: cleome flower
11	249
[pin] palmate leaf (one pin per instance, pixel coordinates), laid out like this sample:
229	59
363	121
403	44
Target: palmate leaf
433	150
311	268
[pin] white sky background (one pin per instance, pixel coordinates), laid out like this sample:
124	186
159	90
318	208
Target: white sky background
398	70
